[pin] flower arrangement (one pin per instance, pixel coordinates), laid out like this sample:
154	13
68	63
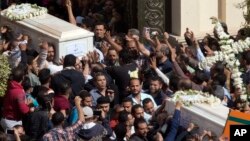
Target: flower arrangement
190	97
23	11
5	72
229	50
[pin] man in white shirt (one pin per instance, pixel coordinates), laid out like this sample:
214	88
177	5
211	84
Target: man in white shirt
136	94
47	58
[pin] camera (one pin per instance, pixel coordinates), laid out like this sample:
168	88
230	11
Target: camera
97	113
10	131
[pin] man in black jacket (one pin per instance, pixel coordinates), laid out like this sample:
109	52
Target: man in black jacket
70	74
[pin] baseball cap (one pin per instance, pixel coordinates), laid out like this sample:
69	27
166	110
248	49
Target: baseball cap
87	111
79	19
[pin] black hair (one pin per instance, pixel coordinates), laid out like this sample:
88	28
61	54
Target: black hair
101	23
139	121
173	83
220	79
69	60
224	26
83	94
246	57
213	44
103	100
123	116
44	76
97	74
219	68
120	131
26	83
57	118
43	98
30	60
137	106
64	87
185	84
127	99
126	56
133	78
146	101
200	77
18	74
156	78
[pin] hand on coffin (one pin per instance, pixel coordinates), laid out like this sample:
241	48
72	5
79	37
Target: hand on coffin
61	60
178	105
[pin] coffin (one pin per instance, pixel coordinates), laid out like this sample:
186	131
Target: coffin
207	117
68	38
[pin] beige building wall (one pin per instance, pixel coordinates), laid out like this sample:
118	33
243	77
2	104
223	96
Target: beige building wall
208	8
196	14
234	16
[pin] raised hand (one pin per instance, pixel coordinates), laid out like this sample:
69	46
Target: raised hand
45	45
61	60
173	53
107	36
68	3
166	36
135	37
104	48
78	100
153	63
208	51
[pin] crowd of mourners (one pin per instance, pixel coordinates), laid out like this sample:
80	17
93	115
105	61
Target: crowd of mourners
119	91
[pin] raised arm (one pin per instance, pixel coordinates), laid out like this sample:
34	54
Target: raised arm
41	61
70	12
176	66
175	123
140	46
79	108
113	44
158	71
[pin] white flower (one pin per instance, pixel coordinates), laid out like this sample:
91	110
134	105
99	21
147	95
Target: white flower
243	97
23	11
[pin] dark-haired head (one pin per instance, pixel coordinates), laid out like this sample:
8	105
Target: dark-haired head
44	76
127	56
57	118
18	74
69	61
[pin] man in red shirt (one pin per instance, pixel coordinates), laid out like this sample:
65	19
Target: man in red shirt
15	104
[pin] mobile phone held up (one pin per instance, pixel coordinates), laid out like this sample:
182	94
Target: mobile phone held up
97	113
10	131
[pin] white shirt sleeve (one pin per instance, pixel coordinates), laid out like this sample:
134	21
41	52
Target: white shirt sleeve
162	76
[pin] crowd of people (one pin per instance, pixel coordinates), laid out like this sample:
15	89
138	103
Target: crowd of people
119	91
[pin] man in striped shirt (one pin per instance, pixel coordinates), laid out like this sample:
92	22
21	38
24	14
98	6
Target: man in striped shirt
58	133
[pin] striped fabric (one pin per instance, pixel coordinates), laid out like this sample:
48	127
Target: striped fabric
235	118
